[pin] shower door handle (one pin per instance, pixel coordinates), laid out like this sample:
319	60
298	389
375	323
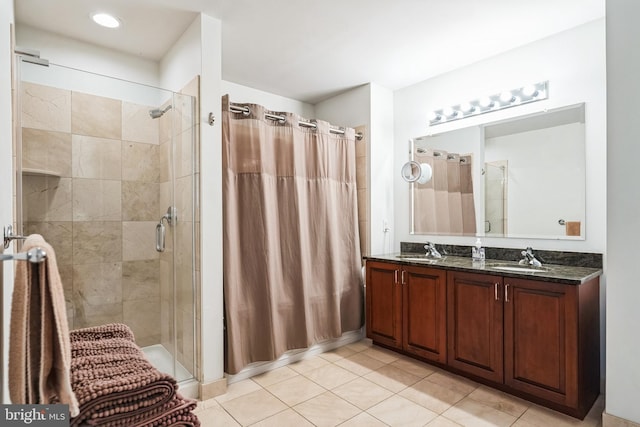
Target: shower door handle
171	217
160	233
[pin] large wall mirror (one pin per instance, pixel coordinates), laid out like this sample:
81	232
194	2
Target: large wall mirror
522	177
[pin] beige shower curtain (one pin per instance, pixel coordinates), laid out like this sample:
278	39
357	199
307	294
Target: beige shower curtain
444	205
291	246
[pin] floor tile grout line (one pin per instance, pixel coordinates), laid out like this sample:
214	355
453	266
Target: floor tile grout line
330	390
465	395
292	407
337	396
385	363
365	411
494	408
449	419
229	413
397	394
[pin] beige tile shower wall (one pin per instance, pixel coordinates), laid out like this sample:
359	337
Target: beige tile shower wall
97	203
45	108
140	162
141	210
363	192
46	150
96	116
137	125
96	154
46	198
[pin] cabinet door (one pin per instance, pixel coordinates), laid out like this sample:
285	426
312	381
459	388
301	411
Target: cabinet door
384	303
474	313
541	339
424	303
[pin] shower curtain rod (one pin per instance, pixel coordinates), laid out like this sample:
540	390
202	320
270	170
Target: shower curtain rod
246	111
438	154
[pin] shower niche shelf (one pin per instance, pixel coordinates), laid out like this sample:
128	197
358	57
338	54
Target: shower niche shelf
40	172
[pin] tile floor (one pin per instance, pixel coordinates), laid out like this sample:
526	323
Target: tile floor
364	385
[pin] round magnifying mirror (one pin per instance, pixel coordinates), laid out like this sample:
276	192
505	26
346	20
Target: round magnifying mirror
413	171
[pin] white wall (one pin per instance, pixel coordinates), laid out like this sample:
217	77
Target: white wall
211	201
6	176
88	57
381	169
546	173
84	67
623	207
183	61
350	108
574	64
243	94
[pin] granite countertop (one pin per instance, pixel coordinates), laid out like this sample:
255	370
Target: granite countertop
567	274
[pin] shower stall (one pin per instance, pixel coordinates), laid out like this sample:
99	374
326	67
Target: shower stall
100	162
495	188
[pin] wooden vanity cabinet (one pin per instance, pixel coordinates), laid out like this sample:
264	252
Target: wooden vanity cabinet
406	308
475	324
553	341
384	303
534	337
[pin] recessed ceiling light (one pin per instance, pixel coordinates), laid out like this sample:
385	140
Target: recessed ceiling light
106	20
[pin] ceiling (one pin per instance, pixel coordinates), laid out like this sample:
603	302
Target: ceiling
312	50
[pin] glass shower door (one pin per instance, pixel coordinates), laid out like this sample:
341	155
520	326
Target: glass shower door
100	160
495	187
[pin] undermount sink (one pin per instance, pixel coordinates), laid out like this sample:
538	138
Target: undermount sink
415	257
519	269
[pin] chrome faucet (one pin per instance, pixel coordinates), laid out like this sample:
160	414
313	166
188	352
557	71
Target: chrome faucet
529	258
432	251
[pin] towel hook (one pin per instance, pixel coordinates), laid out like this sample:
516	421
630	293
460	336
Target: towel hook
9	236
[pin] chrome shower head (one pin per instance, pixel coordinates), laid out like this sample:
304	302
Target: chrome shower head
157	112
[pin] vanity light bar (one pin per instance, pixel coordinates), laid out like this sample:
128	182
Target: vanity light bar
500	101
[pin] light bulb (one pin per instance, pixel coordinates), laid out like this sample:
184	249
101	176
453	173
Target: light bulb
449	112
434	116
506	97
486	102
466	107
530	91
